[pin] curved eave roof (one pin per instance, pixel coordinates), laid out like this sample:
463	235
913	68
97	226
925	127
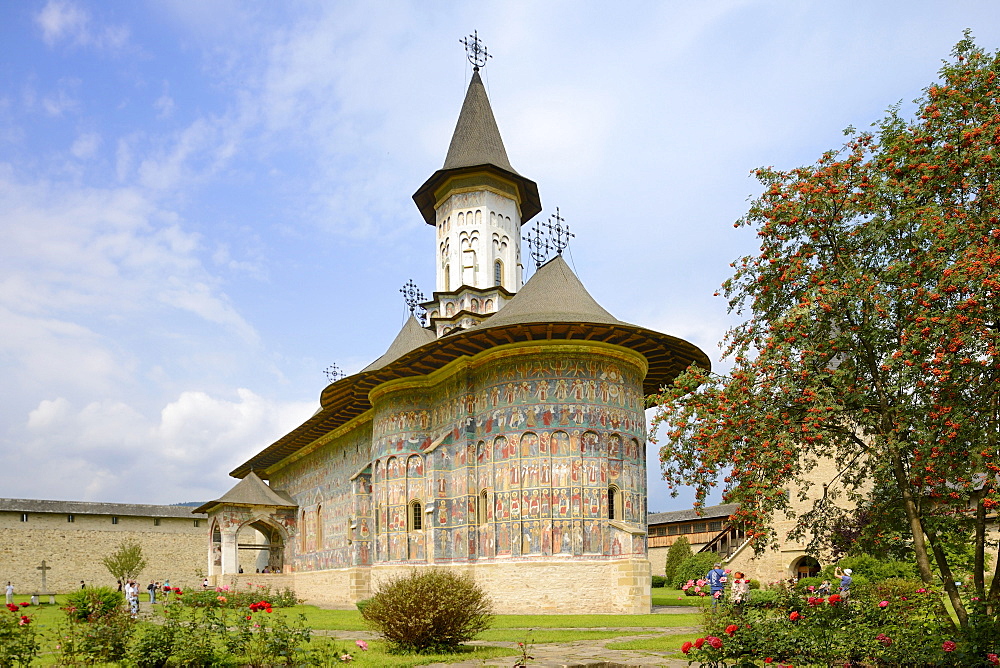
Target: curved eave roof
531	201
346	399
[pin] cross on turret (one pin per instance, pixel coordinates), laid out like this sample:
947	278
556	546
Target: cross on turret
475	50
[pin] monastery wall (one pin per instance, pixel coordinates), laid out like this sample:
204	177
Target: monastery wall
175	549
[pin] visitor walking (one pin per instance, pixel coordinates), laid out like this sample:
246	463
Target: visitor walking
10	592
739	592
132	597
716	582
845	582
151	588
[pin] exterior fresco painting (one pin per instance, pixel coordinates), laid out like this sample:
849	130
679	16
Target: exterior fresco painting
520	453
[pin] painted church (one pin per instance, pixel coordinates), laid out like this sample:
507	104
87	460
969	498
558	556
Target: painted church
504	439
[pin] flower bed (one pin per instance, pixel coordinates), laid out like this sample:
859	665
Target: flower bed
892	623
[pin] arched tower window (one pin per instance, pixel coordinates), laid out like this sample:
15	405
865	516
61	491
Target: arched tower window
447	278
614	503
497	272
415	517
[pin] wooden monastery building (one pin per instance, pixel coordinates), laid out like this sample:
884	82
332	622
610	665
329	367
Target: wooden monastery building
506	438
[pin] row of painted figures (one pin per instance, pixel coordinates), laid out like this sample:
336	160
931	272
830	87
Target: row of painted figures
518	417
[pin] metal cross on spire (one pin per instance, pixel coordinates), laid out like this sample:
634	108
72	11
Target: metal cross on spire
538	246
334	373
475	50
412	296
559	234
547	237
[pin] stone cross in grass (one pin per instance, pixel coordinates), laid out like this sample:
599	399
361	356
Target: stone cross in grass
43	568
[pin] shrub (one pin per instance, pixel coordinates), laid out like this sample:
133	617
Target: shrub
802	586
659	581
429	610
755	584
102	638
694	567
18	643
86	604
676	555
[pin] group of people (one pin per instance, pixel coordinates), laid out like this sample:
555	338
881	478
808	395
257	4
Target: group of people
739	585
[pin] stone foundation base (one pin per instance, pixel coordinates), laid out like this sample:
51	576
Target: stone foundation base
550	587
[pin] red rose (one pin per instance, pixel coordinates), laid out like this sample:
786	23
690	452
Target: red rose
699	642
794	616
715	642
949	645
731	629
686	647
769	660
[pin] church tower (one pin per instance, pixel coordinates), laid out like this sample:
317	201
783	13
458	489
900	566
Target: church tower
508	437
478	203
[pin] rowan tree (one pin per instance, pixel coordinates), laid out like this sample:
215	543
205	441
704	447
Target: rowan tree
871	336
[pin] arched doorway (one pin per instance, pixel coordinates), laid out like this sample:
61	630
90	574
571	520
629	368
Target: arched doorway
261	547
805	567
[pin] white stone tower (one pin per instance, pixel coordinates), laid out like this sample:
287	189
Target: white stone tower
477	203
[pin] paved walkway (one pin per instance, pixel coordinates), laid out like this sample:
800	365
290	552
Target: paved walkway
579	653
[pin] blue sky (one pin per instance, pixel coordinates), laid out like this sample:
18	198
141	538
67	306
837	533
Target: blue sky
204	204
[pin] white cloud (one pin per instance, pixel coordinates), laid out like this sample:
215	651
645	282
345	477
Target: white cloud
61	20
85	146
64	99
115	451
65	21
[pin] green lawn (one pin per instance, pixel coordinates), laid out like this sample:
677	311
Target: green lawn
664	596
536	629
664	644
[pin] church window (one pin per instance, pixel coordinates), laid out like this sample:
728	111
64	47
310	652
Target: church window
483	508
70	518
614	503
197	523
461	219
319	528
479	217
156	521
416	519
447	278
469	267
378	515
114	520
497	272
302	531
24	517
